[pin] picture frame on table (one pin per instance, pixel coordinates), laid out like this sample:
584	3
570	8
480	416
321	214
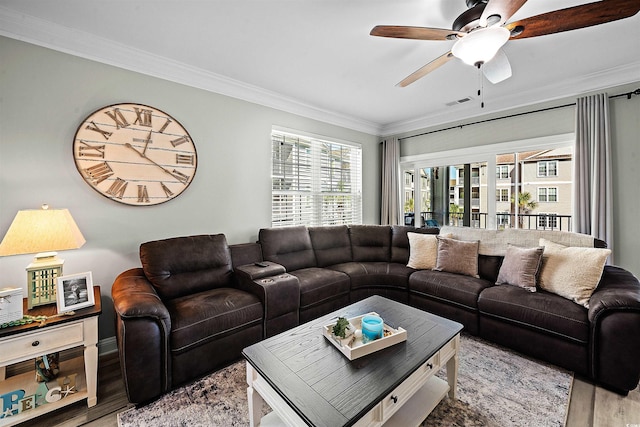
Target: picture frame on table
74	291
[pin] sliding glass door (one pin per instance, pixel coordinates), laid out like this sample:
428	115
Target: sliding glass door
531	187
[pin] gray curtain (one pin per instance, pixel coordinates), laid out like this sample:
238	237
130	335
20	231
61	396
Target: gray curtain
593	196
391	212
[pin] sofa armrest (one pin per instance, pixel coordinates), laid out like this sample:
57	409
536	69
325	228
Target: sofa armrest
279	294
614	313
264	269
143	325
134	296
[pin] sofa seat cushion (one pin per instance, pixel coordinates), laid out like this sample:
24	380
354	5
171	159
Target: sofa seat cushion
318	285
372	274
450	287
199	318
541	310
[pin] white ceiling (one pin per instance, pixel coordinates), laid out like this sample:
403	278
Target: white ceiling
316	57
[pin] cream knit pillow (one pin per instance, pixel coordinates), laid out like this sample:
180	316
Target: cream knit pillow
571	272
423	250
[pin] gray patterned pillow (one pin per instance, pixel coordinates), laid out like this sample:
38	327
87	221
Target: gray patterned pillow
457	256
520	267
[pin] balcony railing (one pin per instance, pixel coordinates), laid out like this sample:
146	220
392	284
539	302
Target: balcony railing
503	220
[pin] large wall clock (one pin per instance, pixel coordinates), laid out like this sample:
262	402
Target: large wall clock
135	154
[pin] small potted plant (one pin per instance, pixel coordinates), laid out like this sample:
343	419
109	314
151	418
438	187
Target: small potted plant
343	330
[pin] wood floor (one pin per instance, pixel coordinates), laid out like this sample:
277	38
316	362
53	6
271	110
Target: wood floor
589	405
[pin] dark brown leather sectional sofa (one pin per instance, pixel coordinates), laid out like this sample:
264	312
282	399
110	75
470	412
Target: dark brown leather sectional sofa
197	302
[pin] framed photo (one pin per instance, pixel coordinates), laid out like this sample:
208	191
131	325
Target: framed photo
74	292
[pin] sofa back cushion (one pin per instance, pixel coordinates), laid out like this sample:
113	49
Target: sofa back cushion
370	243
400	241
288	246
187	265
331	244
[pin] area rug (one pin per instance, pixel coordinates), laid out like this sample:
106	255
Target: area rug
496	387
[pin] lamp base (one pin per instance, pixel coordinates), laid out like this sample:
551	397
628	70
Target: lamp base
42	276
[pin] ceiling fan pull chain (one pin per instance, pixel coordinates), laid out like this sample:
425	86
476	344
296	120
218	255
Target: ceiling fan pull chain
480	85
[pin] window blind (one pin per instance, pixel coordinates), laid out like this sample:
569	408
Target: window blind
314	182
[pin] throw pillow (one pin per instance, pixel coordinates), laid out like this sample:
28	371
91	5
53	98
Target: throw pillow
423	250
520	267
571	272
457	256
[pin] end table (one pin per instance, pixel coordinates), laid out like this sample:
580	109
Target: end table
21	396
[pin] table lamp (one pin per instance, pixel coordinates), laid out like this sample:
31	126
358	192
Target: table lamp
42	231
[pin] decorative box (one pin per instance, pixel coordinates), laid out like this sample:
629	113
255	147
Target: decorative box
10	304
353	347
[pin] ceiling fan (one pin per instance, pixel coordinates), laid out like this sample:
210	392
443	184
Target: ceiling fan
482	30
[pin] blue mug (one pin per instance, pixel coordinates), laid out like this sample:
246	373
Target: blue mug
371	328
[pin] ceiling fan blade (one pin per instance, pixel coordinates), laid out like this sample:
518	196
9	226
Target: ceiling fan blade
572	18
499	11
423	71
498	69
416	33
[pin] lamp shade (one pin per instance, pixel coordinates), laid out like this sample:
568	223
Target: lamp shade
481	45
41	230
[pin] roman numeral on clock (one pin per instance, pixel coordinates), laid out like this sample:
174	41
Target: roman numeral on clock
164	126
181	140
117	188
143	117
180	176
88	150
98	173
92	126
117	116
143	195
166	190
184	159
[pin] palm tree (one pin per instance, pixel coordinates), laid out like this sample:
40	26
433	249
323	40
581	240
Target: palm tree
455	213
525	205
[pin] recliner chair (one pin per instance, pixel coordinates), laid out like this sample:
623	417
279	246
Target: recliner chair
181	315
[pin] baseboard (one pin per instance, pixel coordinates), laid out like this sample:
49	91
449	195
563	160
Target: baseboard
107	346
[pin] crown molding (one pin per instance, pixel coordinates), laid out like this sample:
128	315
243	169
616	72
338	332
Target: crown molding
47	34
617	76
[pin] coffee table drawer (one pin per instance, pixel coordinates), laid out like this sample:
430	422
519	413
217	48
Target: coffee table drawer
401	394
15	349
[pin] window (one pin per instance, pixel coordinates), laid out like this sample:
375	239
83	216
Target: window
502	194
547	220
502	171
548	168
509	198
314	182
547	194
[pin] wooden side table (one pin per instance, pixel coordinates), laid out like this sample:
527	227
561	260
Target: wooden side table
21	397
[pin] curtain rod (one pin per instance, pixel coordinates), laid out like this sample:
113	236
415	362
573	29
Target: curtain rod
627	94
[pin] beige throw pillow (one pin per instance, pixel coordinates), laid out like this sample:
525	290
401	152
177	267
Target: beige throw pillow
423	250
520	267
457	256
571	272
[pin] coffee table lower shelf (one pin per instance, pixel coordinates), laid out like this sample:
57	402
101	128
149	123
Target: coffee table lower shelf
412	413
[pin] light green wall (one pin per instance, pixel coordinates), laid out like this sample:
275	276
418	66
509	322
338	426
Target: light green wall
625	123
45	94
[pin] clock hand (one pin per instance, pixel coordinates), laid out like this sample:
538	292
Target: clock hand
144	156
147	142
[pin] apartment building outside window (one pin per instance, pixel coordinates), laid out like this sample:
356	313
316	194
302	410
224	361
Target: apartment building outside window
502	171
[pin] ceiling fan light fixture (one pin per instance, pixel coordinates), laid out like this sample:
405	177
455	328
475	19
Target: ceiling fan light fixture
481	45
